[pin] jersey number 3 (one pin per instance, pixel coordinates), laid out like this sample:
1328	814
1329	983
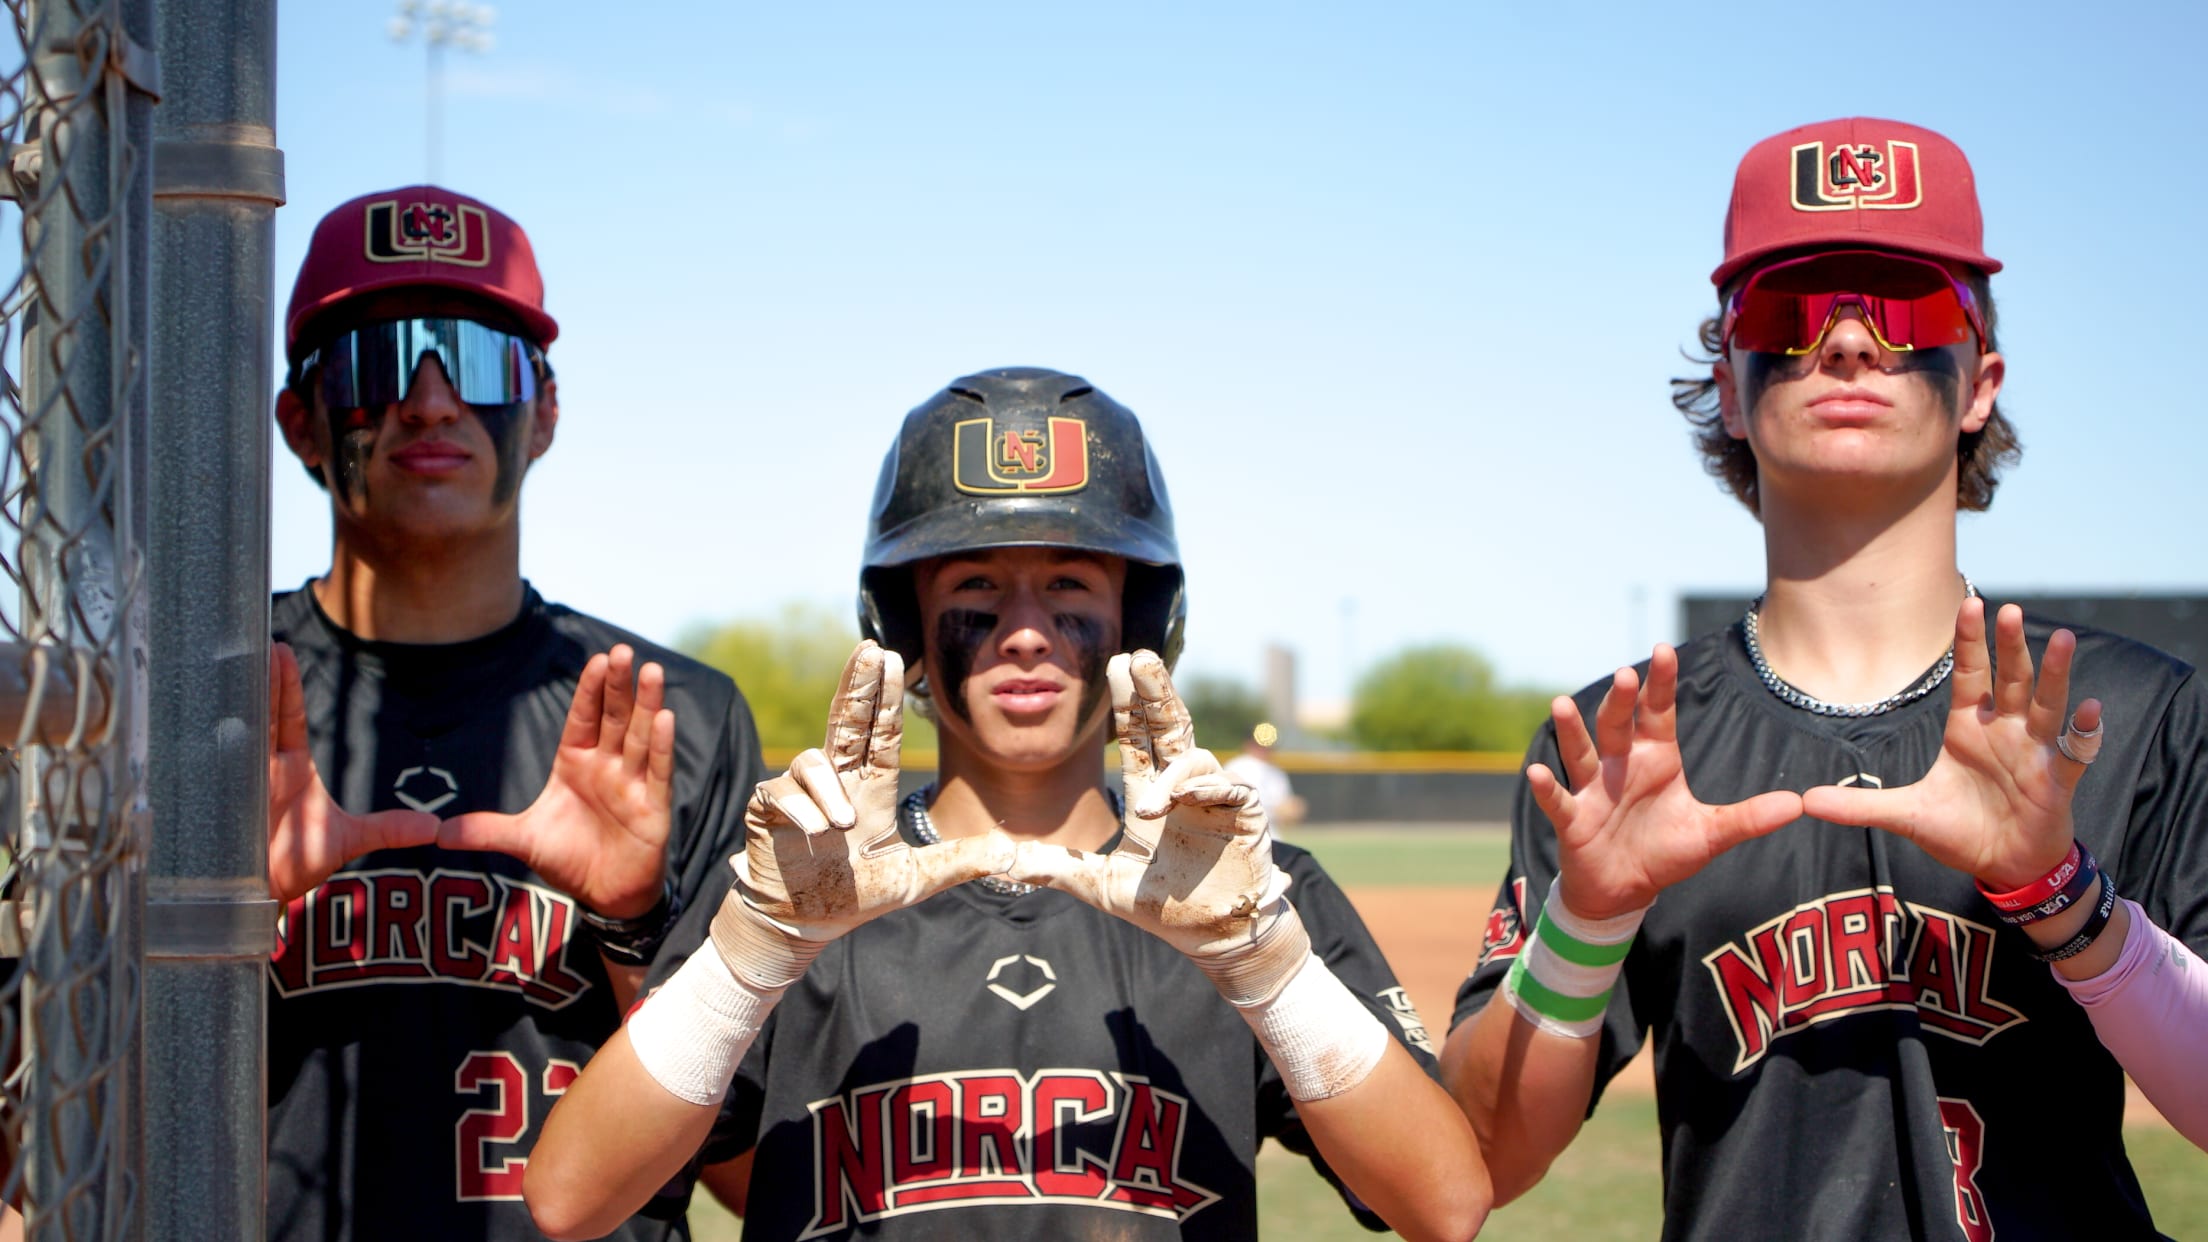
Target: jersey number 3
501	1087
1966	1146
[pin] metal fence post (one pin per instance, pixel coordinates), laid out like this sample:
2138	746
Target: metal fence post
218	179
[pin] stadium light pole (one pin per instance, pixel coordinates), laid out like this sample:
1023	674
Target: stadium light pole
442	24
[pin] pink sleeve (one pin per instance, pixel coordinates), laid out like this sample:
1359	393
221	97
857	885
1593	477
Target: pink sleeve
2151	1010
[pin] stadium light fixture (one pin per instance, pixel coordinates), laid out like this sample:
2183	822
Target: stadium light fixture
441	24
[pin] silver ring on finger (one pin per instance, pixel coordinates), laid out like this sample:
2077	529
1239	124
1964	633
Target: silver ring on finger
2079	746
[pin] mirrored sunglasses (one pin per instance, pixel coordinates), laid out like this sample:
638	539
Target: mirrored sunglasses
374	365
1907	303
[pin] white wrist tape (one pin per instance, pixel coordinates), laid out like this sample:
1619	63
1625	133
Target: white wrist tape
1254	973
1321	1039
691	1033
1561	981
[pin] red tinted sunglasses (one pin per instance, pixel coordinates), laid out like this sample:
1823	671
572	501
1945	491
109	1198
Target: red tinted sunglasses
1787	308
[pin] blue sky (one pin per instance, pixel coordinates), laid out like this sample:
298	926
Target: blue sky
1395	289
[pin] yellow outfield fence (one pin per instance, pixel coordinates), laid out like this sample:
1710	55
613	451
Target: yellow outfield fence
1485	762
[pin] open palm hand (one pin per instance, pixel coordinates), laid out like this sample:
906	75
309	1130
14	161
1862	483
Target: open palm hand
598	831
1996	803
309	835
1628	827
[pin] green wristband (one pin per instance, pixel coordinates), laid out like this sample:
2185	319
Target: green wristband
1562	983
1533	994
1579	952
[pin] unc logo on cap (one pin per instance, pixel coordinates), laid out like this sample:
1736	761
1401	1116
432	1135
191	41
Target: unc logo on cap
1858	174
420	231
987	461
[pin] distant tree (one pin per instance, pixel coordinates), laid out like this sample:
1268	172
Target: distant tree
1224	711
787	666
1442	696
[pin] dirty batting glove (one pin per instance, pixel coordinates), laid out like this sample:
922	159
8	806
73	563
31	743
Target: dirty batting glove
1195	868
821	856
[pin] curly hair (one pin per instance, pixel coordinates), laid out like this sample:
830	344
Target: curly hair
1981	455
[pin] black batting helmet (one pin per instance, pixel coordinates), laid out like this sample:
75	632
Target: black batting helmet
1022	457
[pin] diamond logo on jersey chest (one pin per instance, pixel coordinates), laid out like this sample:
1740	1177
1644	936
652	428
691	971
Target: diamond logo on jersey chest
425	789
1017	969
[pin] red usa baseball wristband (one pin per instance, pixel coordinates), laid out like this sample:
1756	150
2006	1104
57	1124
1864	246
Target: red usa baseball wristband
2044	887
2056	904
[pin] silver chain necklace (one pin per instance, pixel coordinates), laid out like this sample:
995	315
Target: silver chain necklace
915	810
1795	697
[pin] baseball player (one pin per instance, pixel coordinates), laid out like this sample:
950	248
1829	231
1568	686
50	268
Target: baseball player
531	829
1895	944
918	1056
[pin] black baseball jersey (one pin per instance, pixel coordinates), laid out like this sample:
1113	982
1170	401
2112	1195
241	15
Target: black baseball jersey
1848	1042
428	1006
981	1067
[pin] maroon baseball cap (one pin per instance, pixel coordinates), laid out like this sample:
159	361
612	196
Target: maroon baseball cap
419	235
1854	182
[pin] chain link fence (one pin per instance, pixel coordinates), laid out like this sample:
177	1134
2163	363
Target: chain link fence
74	153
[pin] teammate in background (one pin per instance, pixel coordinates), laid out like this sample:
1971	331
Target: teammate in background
1254	767
1919	1028
917	1057
438	985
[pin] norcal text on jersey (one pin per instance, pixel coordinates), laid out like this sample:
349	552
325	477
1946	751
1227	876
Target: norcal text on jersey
1848	953
1071	1136
397	925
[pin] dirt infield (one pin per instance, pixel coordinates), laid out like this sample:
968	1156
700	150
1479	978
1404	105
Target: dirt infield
1432	936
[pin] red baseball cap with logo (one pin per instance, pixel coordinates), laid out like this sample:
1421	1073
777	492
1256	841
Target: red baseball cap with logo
1855	182
419	235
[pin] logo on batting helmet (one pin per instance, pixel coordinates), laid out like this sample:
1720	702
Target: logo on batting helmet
986	460
1021	457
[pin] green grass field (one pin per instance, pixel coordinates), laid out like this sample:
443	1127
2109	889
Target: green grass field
1607	1186
1379	856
